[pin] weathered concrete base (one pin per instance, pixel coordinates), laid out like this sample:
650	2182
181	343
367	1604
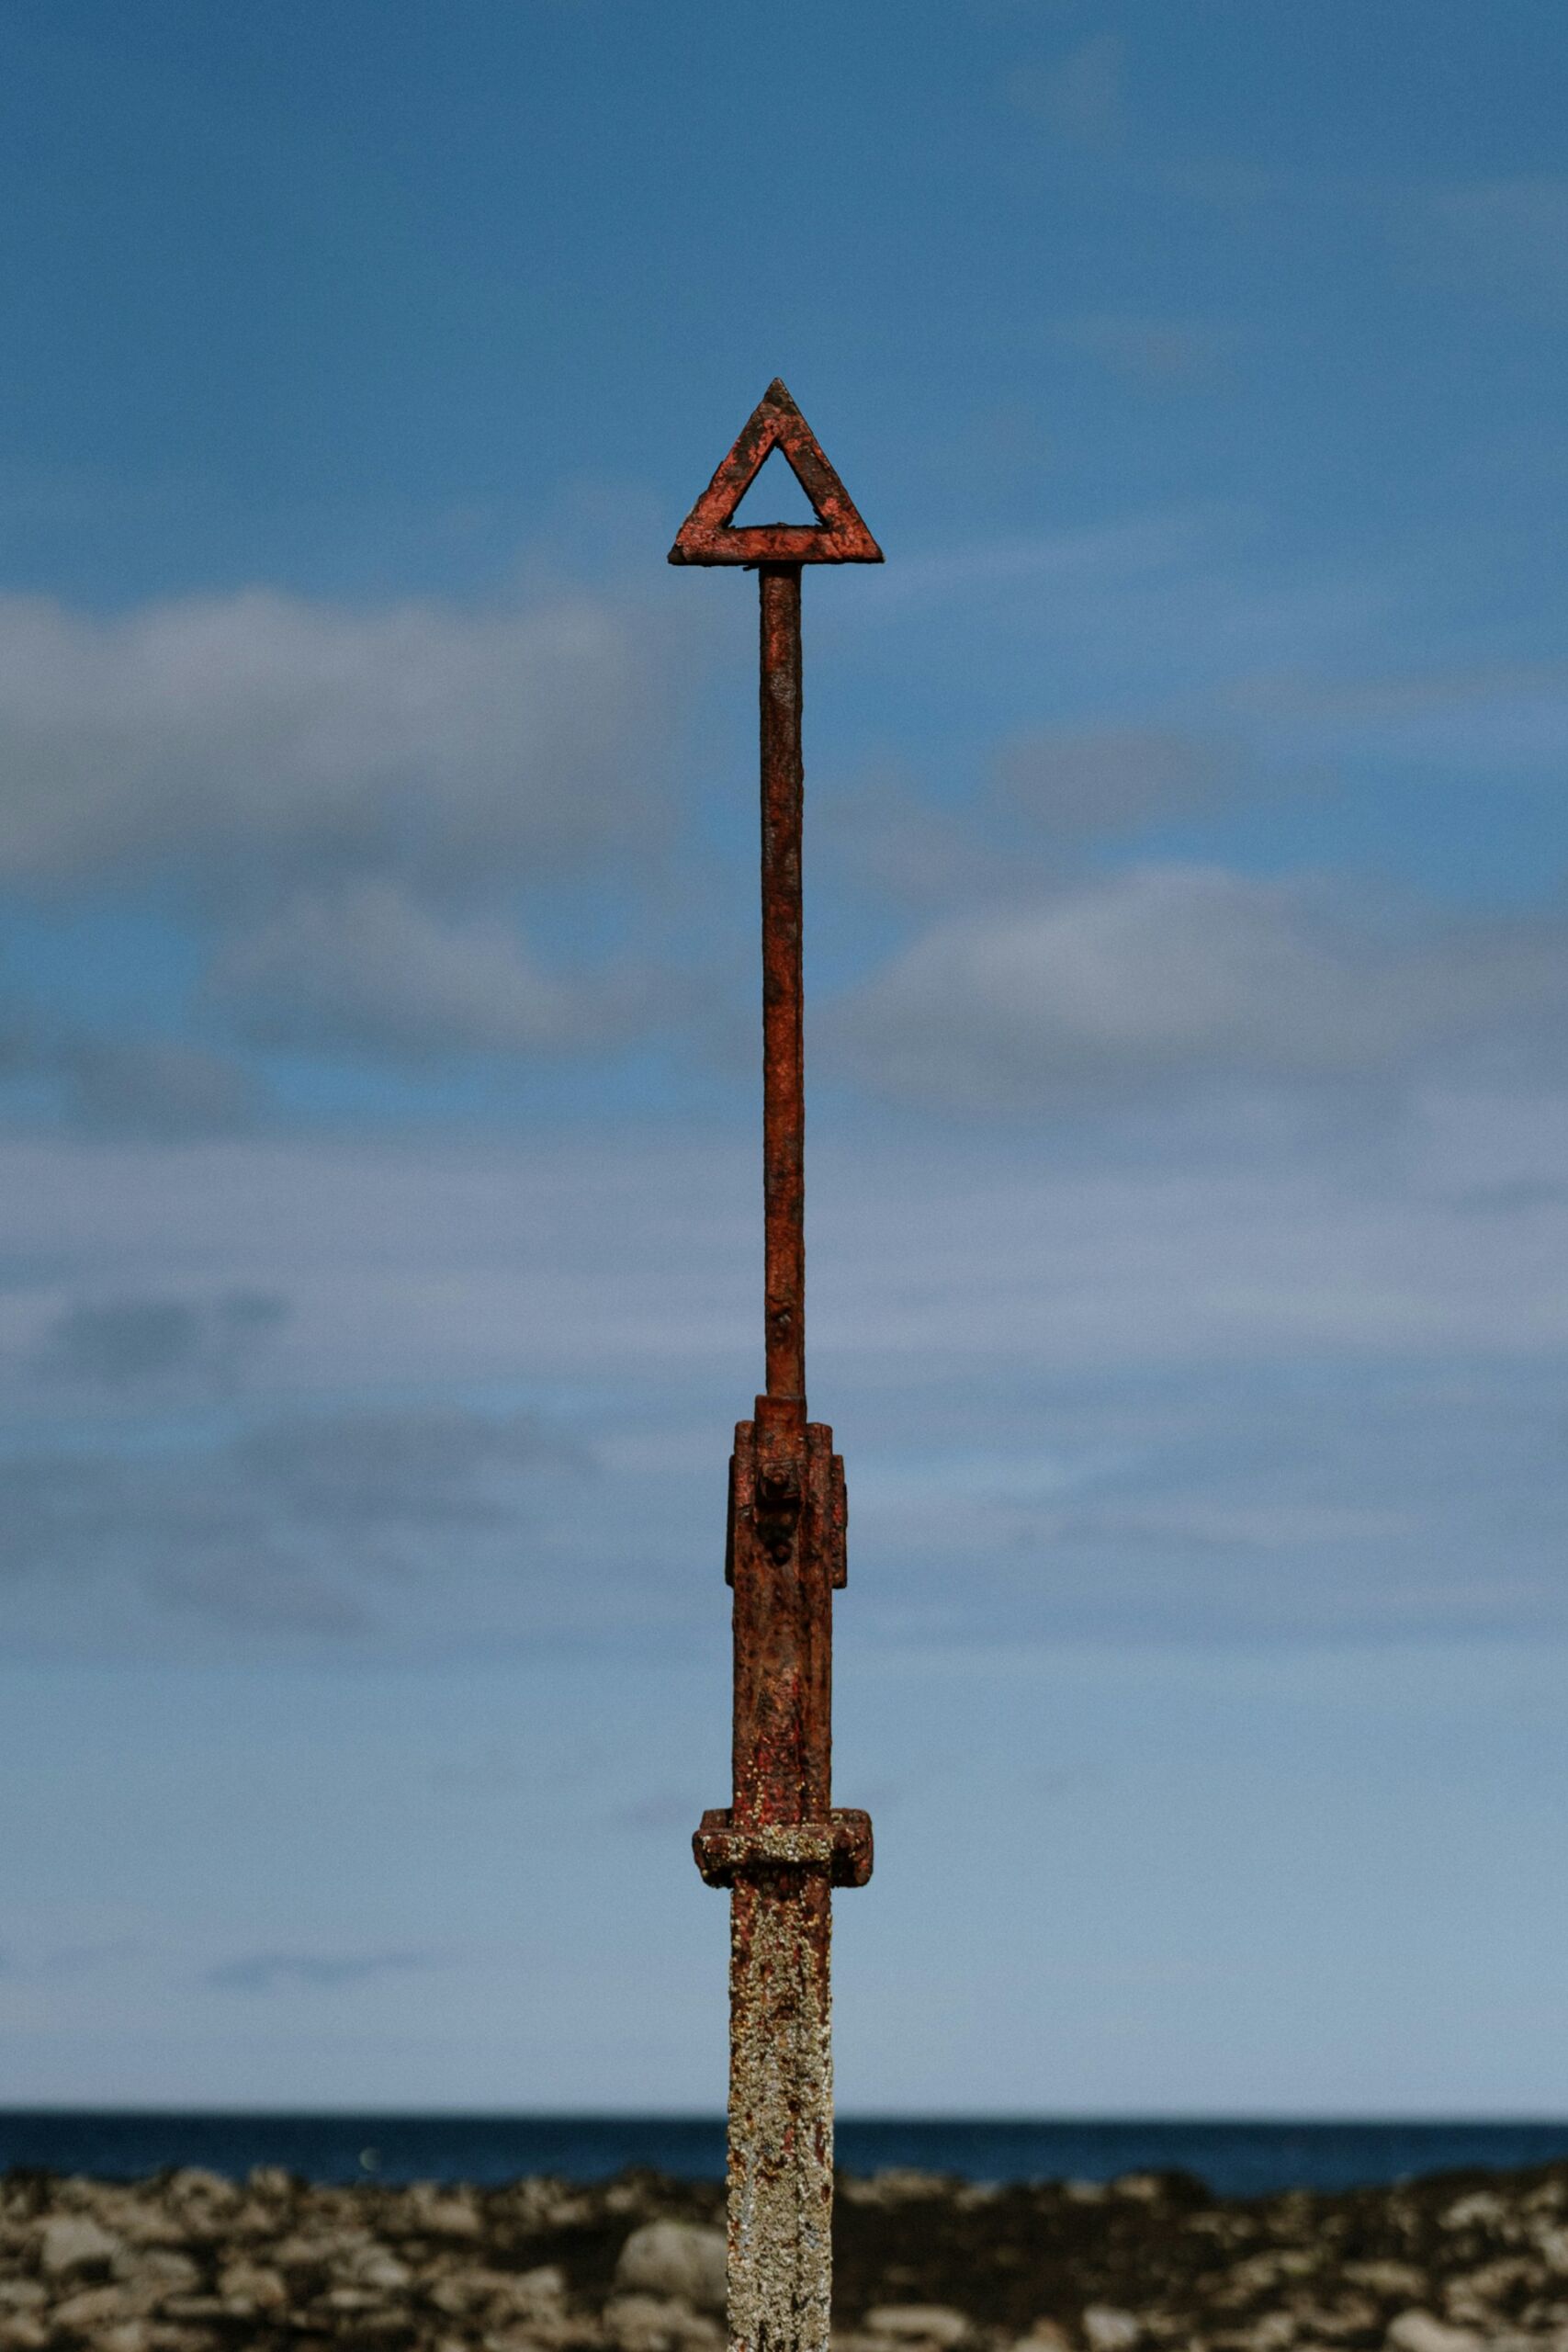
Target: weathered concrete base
781	2112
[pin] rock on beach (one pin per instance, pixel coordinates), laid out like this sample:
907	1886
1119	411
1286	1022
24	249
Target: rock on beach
189	2262
678	2259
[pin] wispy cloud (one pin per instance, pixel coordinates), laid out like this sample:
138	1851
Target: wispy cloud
289	1528
132	1344
362	969
258	732
1275	1377
1172	975
157	1087
337	809
367	967
1142	544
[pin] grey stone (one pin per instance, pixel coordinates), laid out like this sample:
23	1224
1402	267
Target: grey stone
253	2285
123	2336
1273	2332
434	2214
194	2307
209	2187
542	2290
376	2265
91	2308
74	2242
676	2258
1400	2281
935	2324
157	2266
1482	2210
1419	2331
1106	2329
638	2322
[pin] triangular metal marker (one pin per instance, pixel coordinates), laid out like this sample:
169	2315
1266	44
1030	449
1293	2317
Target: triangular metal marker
838	536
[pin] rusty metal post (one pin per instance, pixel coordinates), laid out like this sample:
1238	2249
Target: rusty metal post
780	1846
784	1057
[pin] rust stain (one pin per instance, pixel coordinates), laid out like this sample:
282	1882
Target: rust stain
780	1846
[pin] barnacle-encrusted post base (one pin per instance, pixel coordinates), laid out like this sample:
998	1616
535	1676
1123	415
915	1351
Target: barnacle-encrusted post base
781	2110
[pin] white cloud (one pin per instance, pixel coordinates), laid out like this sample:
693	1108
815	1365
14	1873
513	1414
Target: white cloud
364	965
630	1259
222	733
150	1086
1276	1394
1177	973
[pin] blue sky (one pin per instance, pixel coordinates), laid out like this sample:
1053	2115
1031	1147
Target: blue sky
1189	960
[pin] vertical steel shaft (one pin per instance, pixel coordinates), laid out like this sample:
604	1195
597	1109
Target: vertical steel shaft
783	1073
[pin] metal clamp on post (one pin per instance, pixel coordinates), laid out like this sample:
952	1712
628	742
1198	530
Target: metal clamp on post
841	1845
770	1497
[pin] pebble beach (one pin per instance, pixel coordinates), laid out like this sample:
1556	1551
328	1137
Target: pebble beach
192	2262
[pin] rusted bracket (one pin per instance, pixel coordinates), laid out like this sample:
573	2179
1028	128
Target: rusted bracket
768	1498
841	1845
784	1555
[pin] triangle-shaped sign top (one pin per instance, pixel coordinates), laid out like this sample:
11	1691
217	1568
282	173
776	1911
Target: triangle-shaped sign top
838	536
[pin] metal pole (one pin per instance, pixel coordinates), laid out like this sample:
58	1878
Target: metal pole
784	1065
781	2066
780	1846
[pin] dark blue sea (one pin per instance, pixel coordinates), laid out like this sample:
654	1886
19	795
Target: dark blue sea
1238	2159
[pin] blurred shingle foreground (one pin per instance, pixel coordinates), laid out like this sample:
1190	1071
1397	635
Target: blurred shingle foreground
191	2263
